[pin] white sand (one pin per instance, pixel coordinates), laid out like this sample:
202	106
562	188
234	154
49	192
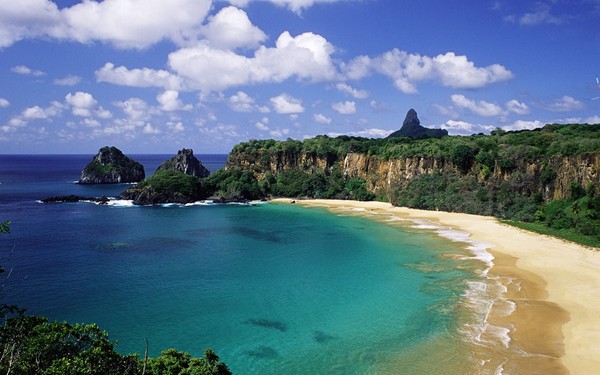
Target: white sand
570	272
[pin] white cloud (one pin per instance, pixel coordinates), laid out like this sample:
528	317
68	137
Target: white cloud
123	23
524	125
344	108
231	28
241	102
144	77
82	103
285	104
517	107
296	6
406	70
481	107
262	124
169	101
279	133
347	89
149	129
367	133
565	104
103	113
457	127
541	15
4	103
69	80
176	127
322	119
592	120
306	57
27	71
136	110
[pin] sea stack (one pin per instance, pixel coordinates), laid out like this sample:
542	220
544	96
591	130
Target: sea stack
411	127
111	166
185	162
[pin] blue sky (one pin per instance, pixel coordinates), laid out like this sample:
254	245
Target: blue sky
154	76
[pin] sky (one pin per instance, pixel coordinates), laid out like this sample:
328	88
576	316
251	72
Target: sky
155	76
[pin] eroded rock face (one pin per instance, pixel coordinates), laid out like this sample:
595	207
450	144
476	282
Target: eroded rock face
411	127
111	166
185	162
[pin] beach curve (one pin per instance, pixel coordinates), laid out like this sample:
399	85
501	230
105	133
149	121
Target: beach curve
557	300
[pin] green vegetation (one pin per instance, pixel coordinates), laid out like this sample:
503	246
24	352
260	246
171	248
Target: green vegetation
510	175
510	147
34	345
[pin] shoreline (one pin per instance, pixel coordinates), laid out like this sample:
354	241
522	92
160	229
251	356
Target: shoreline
554	286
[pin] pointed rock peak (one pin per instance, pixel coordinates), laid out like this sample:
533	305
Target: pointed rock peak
185	162
411	118
411	128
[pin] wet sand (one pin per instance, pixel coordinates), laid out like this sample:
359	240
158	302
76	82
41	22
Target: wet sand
552	286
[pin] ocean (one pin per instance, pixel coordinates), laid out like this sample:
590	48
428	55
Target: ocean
272	288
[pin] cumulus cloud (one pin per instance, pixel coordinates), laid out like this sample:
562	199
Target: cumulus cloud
4	103
517	107
524	125
149	129
144	77
135	109
565	104
169	101
306	57
344	108
122	23
82	103
406	70
347	89
27	71
540	15
285	104
69	80
322	119
231	28
241	102
481	107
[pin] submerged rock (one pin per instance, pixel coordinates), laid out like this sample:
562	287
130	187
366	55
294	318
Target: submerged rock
411	127
185	162
111	166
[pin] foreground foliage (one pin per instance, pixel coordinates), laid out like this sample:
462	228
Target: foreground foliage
34	345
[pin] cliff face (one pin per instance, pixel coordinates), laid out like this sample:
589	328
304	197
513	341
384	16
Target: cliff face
111	166
552	179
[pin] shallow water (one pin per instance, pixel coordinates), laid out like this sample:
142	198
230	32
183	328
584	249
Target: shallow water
271	288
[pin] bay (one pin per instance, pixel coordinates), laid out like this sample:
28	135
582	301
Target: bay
272	288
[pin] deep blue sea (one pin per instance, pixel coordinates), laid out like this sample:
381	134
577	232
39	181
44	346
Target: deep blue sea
272	288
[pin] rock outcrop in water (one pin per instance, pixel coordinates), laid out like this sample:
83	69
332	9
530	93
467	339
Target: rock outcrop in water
177	180
411	127
185	162
111	166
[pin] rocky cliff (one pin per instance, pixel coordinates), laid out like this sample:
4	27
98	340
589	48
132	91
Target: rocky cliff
111	166
552	179
185	162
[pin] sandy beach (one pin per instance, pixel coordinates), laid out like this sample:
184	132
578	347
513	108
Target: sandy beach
554	286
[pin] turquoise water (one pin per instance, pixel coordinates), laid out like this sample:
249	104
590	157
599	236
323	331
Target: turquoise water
272	288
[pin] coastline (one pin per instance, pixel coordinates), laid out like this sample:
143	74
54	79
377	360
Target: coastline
553	286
